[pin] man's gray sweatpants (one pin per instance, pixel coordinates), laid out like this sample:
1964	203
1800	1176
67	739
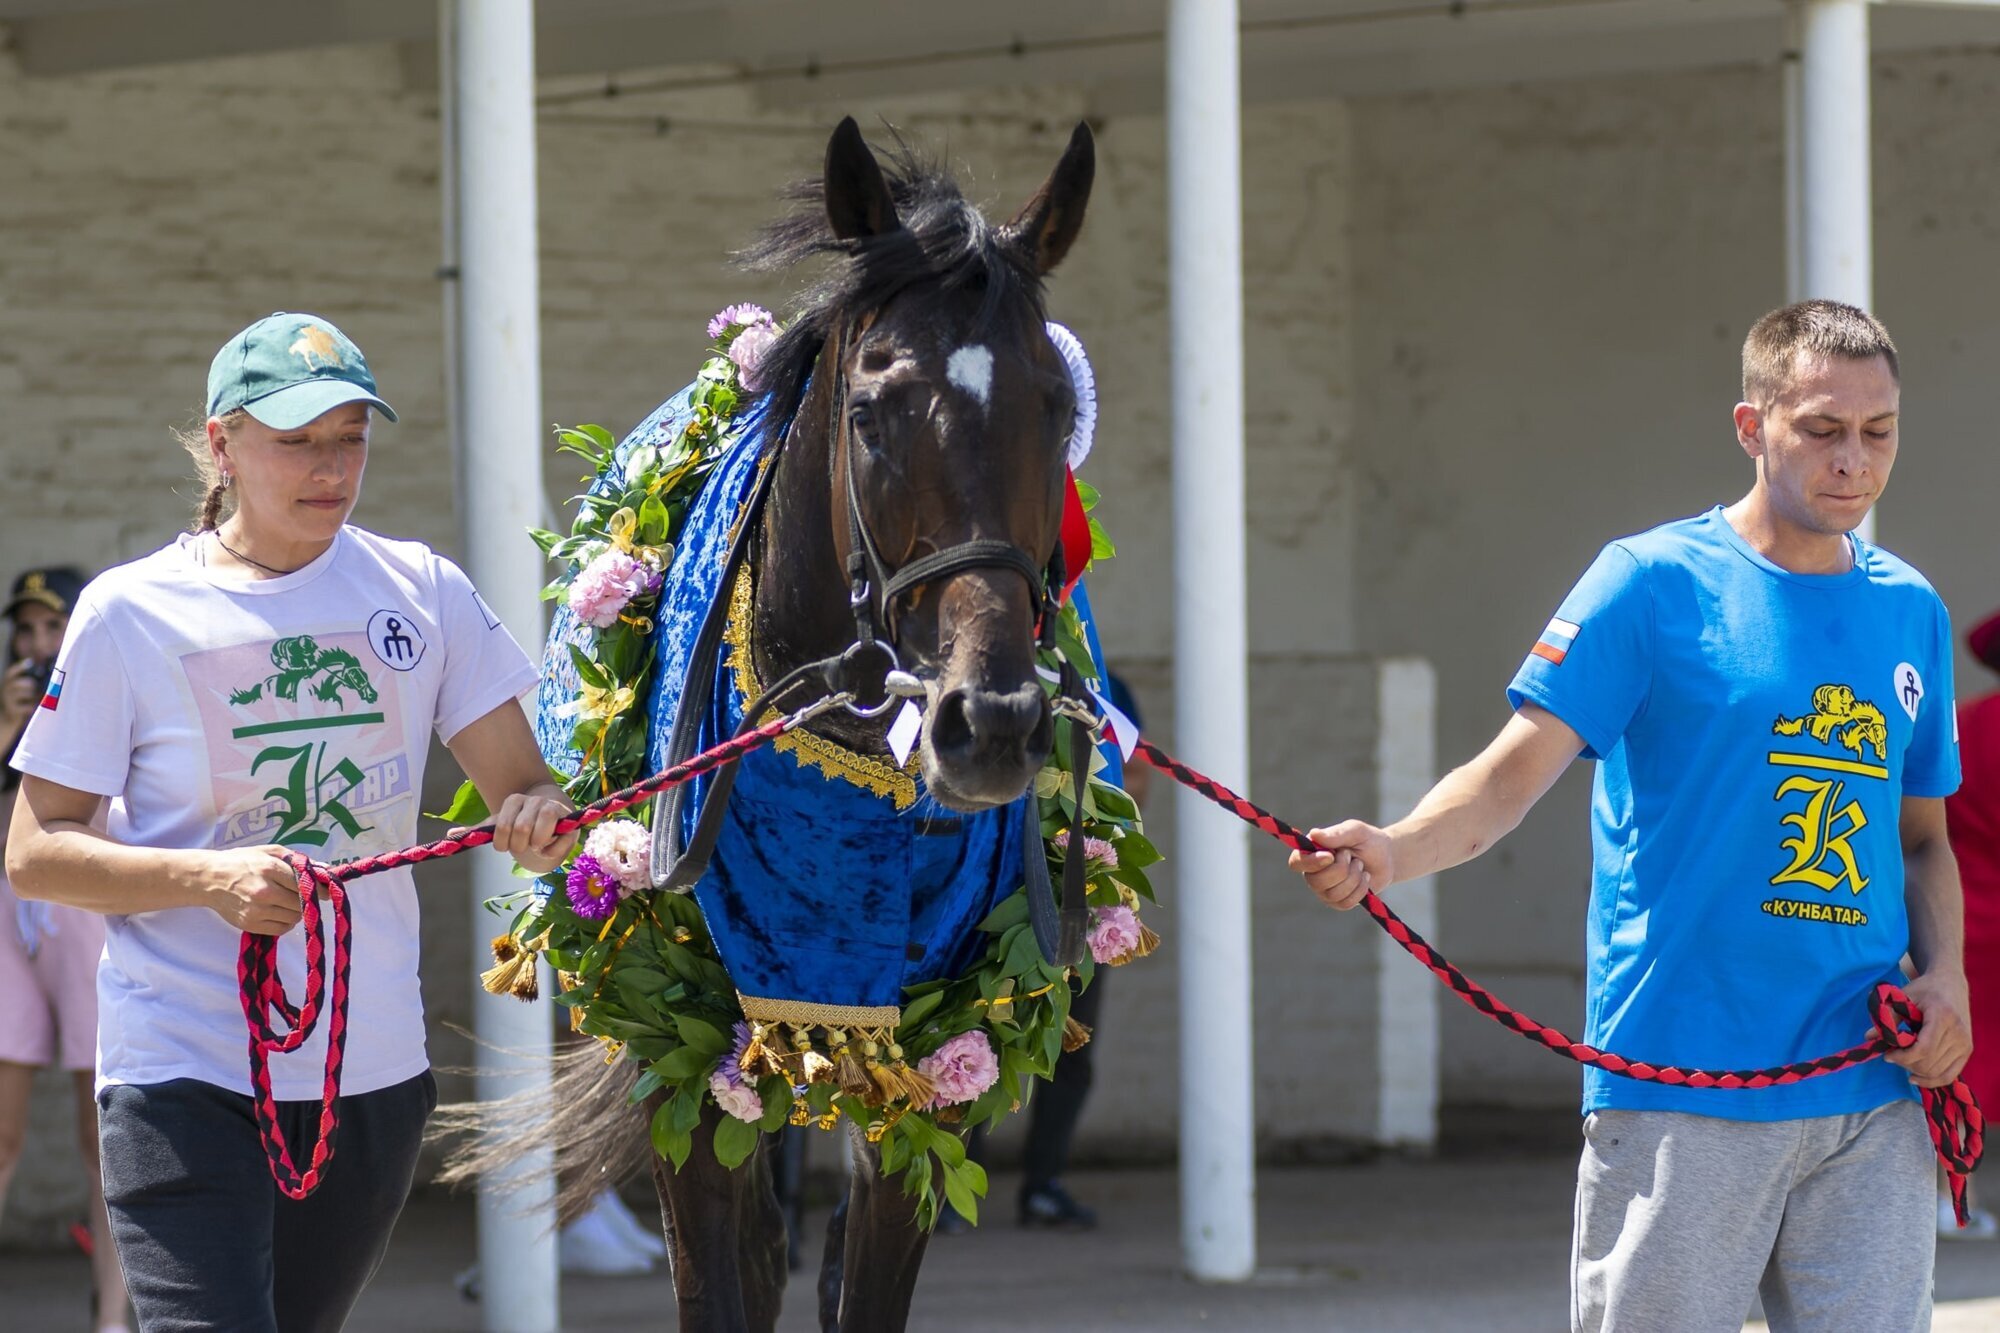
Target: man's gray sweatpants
1681	1218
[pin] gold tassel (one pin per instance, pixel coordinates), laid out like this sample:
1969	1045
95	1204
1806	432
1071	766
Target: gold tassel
918	1089
816	1067
950	1115
1149	940
886	1088
852	1075
757	1059
515	974
1075	1035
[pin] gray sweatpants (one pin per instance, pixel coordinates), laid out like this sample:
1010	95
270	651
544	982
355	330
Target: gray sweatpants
1680	1219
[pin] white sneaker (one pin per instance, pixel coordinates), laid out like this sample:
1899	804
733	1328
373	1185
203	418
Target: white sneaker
594	1244
642	1238
1979	1224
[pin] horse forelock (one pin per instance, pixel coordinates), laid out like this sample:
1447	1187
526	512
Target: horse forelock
945	242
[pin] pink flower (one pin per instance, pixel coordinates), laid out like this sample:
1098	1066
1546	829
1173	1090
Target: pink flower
1114	932
1097	853
745	314
625	849
961	1069
737	1098
748	350
606	584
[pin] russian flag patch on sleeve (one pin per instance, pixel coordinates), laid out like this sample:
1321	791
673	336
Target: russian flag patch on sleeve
1555	642
54	694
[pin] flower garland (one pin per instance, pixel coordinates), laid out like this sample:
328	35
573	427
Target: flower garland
638	968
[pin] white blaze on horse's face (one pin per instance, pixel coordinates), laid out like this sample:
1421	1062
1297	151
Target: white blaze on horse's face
971	369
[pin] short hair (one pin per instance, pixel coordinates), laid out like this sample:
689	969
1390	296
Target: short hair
1813	328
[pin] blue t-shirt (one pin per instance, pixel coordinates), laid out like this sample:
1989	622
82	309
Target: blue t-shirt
1756	732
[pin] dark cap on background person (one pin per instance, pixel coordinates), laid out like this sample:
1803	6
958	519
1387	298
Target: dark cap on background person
55	587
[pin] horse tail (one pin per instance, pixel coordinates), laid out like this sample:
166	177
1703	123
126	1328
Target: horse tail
586	1116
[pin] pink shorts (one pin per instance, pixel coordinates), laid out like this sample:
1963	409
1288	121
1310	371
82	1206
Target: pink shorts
48	982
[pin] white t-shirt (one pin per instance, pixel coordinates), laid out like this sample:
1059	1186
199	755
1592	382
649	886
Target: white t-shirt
221	713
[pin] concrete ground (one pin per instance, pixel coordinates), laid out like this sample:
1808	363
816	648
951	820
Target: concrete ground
1396	1246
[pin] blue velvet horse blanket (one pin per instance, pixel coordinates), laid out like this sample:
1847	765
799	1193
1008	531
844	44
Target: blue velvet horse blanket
836	882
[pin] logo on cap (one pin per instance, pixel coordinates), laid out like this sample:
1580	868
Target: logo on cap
315	343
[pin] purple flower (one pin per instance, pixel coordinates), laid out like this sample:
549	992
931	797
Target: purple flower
593	890
729	316
606	584
1114	933
961	1069
748	350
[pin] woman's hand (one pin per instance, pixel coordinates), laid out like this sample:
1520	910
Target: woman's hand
254	889
525	828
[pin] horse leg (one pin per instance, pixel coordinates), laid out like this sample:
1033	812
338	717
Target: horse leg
884	1247
725	1236
830	1266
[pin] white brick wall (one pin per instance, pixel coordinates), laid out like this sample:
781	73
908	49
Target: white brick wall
147	215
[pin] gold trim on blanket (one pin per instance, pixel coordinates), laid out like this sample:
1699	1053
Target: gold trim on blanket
805	1013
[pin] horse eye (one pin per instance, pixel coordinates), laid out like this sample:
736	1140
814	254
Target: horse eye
861	420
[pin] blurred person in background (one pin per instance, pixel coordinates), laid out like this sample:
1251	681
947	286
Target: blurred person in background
48	953
1972	819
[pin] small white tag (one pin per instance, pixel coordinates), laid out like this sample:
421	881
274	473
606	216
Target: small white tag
1120	728
1909	688
903	731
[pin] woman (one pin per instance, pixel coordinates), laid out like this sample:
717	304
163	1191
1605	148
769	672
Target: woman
262	685
48	954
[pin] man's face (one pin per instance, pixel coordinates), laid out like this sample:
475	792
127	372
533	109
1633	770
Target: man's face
1826	442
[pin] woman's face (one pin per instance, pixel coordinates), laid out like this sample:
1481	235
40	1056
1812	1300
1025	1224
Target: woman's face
296	484
38	632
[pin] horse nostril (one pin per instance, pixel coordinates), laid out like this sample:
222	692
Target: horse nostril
951	728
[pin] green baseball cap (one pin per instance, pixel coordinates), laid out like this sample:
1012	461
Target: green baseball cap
288	369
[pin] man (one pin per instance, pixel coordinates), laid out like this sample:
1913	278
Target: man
1769	700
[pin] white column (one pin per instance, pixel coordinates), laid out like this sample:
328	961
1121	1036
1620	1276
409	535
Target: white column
491	85
1211	714
1406	996
1836	200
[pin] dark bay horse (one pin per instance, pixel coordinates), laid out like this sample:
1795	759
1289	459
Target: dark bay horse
926	419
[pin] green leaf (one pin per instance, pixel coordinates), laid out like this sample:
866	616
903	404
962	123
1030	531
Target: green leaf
959	1195
735	1140
700	1036
917	1010
777	1095
684	1063
670	1139
1135	852
1088	494
467	808
1009	913
591	673
648	1084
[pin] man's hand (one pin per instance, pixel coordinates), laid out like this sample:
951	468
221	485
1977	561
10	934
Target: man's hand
1945	1043
525	828
1358	859
254	889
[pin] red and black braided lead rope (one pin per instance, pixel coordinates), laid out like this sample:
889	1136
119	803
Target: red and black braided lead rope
277	1026
1957	1126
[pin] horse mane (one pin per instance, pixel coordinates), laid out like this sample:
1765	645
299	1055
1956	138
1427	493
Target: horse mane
944	239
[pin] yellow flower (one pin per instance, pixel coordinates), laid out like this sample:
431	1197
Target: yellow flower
603	703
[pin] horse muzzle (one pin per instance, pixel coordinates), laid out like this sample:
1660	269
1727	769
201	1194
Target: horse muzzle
983	747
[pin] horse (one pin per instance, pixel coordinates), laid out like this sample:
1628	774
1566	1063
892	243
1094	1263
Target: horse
905	504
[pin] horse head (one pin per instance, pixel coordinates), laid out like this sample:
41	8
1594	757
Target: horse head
944	411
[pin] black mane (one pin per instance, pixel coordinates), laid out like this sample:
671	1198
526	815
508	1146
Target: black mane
944	239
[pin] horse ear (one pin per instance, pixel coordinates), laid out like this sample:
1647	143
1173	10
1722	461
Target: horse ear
858	202
1048	223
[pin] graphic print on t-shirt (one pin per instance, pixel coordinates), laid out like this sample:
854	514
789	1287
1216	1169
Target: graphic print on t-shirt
1822	814
304	749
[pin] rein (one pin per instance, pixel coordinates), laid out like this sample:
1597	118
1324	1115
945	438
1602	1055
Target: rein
1957	1125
